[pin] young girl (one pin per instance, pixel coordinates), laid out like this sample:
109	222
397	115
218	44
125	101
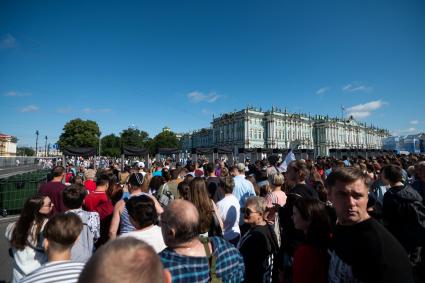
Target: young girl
25	236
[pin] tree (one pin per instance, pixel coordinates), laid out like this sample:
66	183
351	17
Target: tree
111	145
165	139
14	139
134	137
25	151
79	133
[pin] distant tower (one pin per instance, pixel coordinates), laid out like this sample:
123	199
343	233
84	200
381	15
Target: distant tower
166	129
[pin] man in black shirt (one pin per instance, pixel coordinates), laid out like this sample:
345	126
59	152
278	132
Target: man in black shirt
362	249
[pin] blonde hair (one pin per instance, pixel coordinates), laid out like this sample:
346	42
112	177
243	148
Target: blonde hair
277	179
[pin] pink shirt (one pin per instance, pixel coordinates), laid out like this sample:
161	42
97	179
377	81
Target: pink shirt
278	197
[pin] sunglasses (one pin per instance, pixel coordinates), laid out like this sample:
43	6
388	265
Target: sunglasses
248	211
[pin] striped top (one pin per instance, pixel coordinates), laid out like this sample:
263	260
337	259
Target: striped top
125	224
229	265
56	271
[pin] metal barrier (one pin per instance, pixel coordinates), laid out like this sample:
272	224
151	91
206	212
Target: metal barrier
10	161
15	190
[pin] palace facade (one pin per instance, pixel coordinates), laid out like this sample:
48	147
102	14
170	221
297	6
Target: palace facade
253	128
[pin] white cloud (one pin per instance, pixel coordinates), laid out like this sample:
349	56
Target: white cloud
356	86
29	108
100	110
408	131
323	90
13	93
414	122
197	96
361	111
7	41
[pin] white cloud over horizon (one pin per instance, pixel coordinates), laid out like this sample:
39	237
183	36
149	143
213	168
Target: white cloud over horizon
414	122
323	90
198	96
361	111
356	87
7	41
407	131
13	93
29	108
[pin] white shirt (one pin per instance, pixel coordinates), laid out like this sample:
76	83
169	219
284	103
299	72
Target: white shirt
229	209
152	236
29	259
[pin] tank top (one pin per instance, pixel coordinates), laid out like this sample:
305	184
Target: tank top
125	223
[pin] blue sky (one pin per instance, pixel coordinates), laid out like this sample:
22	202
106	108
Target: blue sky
176	63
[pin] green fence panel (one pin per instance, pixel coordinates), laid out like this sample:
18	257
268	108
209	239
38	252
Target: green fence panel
15	190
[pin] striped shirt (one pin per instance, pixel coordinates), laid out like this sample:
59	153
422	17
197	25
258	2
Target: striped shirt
125	224
229	264
56	271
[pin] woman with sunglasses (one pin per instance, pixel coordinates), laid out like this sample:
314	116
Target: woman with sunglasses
25	236
259	245
120	217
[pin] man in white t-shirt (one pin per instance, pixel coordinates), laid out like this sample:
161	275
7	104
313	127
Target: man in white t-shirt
229	209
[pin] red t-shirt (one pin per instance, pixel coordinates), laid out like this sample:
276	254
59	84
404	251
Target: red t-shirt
310	265
54	191
93	200
99	202
90	185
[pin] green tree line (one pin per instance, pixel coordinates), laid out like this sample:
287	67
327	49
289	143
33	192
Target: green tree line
80	133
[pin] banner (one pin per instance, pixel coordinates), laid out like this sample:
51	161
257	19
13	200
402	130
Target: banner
79	151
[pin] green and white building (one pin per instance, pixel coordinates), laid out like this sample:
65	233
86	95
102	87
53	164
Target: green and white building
254	128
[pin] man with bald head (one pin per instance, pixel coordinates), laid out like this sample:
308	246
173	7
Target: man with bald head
125	260
186	256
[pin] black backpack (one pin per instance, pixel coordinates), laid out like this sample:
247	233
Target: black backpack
413	214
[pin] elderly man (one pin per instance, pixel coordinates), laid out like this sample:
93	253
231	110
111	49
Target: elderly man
190	258
362	249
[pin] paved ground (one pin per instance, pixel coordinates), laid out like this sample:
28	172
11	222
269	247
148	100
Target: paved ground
5	260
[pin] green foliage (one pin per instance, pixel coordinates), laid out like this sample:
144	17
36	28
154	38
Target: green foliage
166	139
25	151
14	139
111	145
79	133
134	137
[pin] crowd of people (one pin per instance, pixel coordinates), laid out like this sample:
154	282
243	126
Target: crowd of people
325	220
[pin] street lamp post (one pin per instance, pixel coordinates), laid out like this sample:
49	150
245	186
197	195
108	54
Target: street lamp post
45	147
36	142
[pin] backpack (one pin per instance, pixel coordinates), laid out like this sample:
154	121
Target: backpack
211	261
412	213
83	248
164	196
